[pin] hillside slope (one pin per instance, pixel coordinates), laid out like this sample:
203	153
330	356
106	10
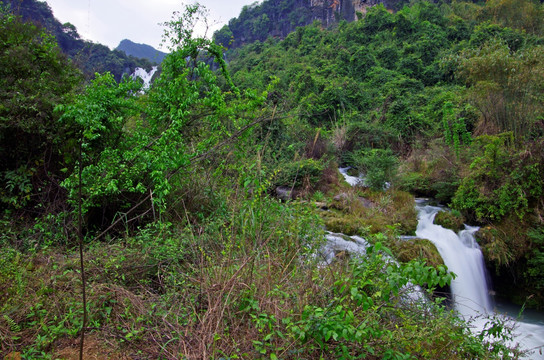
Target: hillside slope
141	51
88	56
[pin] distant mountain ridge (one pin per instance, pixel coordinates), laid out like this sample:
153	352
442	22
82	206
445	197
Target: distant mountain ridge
141	51
89	57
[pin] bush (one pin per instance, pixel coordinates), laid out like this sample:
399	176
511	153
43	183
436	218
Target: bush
34	78
450	220
432	172
501	181
417	249
379	166
367	211
299	173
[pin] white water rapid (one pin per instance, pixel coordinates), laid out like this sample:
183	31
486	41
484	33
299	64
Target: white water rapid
338	243
352	180
357	180
470	290
463	257
356	246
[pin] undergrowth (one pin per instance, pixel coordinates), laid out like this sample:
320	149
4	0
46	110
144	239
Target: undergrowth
246	286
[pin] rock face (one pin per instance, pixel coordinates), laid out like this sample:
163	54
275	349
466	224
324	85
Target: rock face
278	18
330	11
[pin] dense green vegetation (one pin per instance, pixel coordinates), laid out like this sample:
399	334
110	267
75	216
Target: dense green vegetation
278	18
450	93
188	253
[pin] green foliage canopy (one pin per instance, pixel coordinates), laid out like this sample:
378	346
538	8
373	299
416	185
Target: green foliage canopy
34	77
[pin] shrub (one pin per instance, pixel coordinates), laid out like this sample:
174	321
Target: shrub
450	220
379	166
299	173
501	181
417	249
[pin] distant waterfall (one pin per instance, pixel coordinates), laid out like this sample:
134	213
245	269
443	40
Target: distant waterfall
145	76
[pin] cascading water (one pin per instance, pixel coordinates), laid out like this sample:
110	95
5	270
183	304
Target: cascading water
352	180
470	290
357	246
463	257
145	76
337	242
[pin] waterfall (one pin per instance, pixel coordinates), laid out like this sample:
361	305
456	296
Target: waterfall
470	290
145	76
462	256
352	180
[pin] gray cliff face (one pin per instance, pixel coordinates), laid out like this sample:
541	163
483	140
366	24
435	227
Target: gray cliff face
331	11
278	18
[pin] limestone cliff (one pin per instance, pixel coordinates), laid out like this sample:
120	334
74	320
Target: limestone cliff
278	18
330	11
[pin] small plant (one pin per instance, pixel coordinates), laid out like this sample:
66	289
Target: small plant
297	172
318	196
455	129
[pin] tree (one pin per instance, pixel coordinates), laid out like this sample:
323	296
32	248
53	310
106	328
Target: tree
34	77
506	86
153	143
224	36
518	14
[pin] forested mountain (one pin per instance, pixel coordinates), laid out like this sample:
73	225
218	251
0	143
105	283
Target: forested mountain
88	56
141	51
203	217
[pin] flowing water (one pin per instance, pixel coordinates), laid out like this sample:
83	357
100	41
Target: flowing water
470	289
352	180
145	76
356	246
462	256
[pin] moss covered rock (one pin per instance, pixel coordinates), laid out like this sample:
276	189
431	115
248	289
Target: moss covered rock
344	223
361	211
406	250
450	220
512	257
504	242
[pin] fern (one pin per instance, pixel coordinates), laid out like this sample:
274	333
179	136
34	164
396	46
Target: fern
13	326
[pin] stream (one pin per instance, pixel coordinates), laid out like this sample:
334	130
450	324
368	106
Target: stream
470	289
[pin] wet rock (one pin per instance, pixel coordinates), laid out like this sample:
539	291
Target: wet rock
341	197
284	193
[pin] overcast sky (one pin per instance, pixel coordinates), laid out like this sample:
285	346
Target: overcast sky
110	21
